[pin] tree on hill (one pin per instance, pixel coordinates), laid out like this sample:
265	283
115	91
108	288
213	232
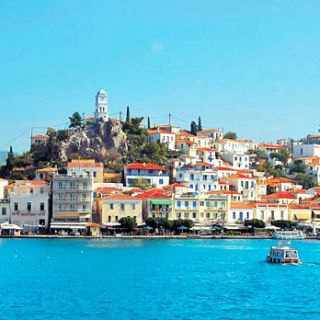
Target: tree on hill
306	180
281	155
193	128
149	126
75	121
297	167
128	114
199	124
230	135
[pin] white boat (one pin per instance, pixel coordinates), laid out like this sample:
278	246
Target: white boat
289	235
283	254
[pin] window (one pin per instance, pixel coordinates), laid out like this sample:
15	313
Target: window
16	206
160	181
178	204
201	203
85	185
179	215
122	206
31	190
216	204
94	174
186	204
208	204
262	214
201	215
194	204
4	211
233	215
133	206
117	218
41	191
42	206
282	214
29	206
194	215
247	215
111	206
84	197
186	215
60	185
84	207
207	215
272	214
109	218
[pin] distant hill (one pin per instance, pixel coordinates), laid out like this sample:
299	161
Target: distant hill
3	157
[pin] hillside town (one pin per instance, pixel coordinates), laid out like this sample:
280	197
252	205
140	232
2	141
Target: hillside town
157	179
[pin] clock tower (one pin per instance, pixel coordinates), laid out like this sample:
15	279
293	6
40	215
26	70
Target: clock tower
101	105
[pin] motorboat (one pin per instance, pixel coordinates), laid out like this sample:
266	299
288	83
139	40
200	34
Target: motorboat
284	254
289	235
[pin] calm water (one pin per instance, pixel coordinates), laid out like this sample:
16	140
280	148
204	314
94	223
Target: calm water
157	279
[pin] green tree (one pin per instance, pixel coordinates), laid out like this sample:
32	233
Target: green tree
128	114
284	224
149	126
193	128
306	180
261	155
10	160
128	223
297	167
75	121
199	124
230	135
255	223
282	155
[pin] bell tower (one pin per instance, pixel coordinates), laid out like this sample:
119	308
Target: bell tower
101	105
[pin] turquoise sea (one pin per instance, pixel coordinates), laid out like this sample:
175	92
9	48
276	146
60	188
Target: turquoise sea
155	279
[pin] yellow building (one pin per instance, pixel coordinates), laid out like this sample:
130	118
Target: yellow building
201	208
117	206
300	213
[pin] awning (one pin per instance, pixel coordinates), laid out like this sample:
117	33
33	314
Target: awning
302	216
57	225
161	201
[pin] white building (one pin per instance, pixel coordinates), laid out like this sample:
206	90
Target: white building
151	174
270	211
199	177
305	150
214	134
237	160
72	200
239	212
162	136
101	105
29	202
5	212
3	185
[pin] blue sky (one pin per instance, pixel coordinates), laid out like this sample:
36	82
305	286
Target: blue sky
248	66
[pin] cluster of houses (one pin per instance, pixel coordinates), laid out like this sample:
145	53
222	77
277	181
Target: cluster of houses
212	180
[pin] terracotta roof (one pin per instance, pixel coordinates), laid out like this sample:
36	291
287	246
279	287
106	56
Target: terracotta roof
31	182
47	170
273	181
119	197
230	192
108	190
226	169
156	131
206	150
90	118
241	205
280	195
153	193
271	146
84	163
209	130
147	166
240	176
40	136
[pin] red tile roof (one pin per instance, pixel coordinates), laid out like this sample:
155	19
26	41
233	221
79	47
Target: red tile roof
147	166
280	195
84	163
153	193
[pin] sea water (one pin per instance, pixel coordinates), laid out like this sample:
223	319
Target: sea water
156	279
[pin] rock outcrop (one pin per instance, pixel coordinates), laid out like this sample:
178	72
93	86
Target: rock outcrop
101	141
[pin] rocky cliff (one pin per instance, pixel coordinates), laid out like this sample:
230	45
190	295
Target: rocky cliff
101	141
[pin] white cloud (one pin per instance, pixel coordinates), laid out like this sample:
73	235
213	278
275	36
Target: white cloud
157	46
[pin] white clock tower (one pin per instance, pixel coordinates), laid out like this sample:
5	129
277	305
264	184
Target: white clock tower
101	105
